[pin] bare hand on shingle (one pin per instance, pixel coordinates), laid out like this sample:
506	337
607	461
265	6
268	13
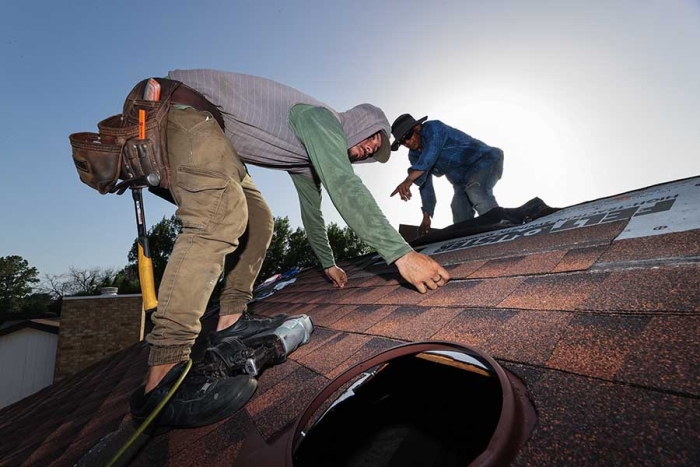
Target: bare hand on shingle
337	276
422	271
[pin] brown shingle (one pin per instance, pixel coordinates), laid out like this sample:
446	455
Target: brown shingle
597	345
407	295
673	245
530	336
333	352
285	400
376	280
475	327
362	318
584	422
535	263
319	338
292	383
473	293
580	259
554	292
464	270
412	323
663	289
325	315
367	296
666	355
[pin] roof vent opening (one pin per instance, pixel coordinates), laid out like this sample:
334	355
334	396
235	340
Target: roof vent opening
439	407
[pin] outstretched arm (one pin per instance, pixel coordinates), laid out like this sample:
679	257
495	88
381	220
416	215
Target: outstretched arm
312	217
326	144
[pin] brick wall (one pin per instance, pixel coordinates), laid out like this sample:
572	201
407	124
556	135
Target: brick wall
93	328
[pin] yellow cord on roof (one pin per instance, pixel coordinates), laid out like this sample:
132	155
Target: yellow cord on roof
151	417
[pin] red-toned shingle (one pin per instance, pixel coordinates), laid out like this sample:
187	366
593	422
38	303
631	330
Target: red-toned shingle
580	259
333	352
275	418
662	289
473	293
377	280
330	314
362	318
530	336
367	296
274	396
597	345
535	263
411	323
554	292
673	245
585	422
666	355
407	295
319	338
474	327
464	270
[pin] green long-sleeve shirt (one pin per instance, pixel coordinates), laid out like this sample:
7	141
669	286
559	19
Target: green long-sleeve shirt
326	144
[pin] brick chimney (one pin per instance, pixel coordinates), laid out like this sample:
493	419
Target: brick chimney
95	327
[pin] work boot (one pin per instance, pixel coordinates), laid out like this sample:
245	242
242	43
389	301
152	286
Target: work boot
246	326
203	398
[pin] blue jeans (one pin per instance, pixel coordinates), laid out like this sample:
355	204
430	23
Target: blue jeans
477	193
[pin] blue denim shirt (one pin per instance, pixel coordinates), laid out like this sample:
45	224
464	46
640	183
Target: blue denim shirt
449	152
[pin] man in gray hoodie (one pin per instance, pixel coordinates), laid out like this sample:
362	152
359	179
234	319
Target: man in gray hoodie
275	126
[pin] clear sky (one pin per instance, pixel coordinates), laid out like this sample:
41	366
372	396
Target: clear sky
587	99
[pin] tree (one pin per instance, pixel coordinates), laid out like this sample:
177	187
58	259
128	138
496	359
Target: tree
277	250
16	281
289	249
345	243
78	282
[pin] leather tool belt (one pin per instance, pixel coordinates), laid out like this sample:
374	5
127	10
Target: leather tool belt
116	152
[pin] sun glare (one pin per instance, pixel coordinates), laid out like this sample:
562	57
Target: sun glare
533	137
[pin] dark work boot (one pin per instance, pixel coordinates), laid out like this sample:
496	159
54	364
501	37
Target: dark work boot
246	326
202	398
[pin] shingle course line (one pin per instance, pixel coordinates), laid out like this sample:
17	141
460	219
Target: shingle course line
504	362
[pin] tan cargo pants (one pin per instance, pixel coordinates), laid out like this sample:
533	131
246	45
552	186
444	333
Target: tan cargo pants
226	224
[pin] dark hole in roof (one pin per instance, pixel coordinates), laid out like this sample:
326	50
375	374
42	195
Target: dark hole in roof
434	408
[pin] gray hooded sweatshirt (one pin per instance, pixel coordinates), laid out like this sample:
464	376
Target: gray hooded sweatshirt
256	116
265	132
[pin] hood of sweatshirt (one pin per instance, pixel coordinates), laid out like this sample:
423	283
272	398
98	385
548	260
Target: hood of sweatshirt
361	122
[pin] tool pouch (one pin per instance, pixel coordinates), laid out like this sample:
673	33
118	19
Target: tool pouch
98	163
117	152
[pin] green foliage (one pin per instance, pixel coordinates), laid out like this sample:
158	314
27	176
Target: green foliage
16	281
292	249
37	304
345	243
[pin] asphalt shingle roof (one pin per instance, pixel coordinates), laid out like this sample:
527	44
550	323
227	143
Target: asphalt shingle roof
597	312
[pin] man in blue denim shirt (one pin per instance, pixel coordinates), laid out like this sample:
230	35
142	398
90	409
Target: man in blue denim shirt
472	167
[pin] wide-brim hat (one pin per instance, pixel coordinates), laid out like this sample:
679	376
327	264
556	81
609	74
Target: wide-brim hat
401	126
